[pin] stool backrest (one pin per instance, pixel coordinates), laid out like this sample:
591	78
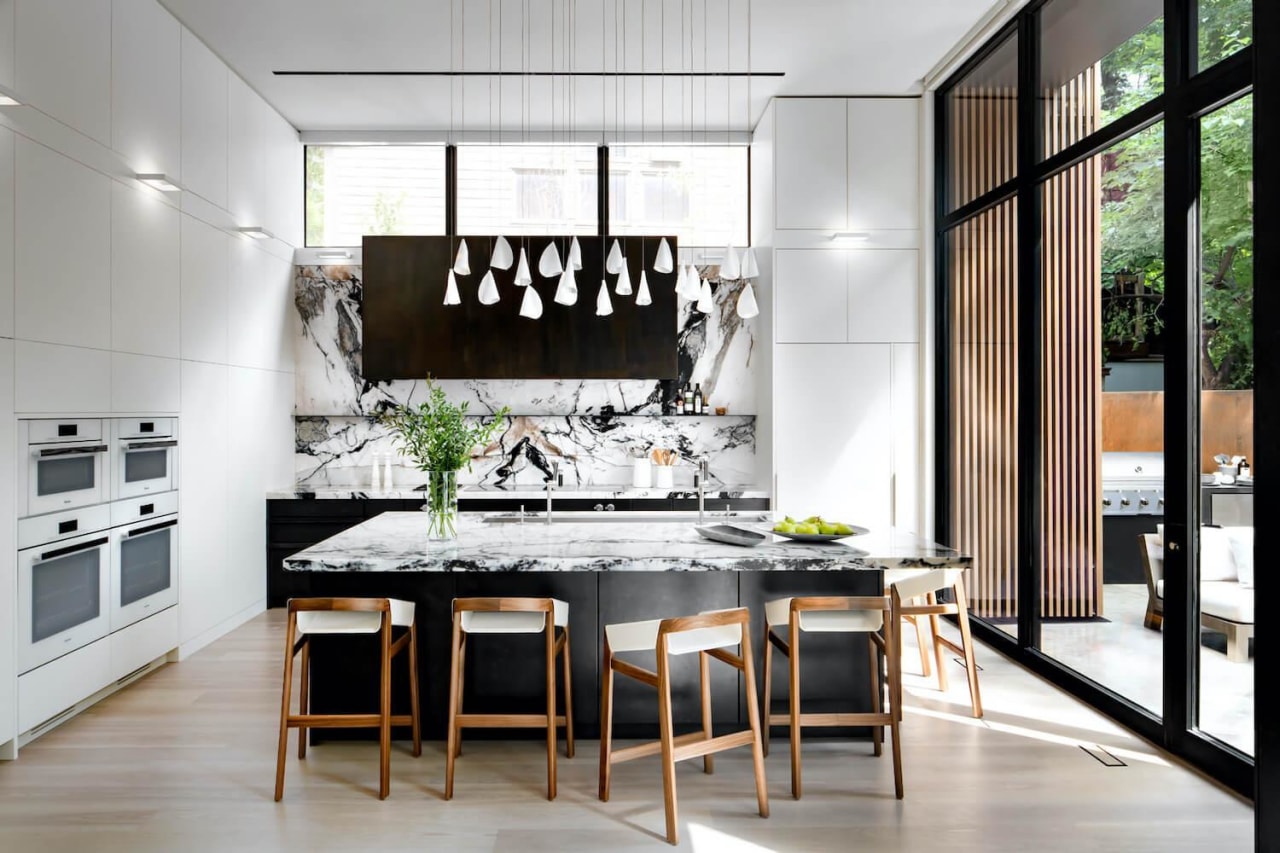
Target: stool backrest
927	581
311	605
503	605
874	606
711	630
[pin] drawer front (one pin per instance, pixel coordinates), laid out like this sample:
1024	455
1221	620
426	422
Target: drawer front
59	684
143	642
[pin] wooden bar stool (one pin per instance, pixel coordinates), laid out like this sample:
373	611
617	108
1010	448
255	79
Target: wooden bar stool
710	635
835	615
511	616
918	593
309	617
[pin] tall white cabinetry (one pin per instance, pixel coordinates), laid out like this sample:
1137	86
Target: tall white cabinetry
846	437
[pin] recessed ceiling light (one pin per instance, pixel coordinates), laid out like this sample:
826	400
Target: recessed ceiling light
255	232
157	181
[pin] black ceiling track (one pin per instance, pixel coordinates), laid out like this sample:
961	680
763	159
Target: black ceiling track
529	73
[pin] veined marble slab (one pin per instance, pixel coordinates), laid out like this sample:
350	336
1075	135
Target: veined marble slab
397	542
716	493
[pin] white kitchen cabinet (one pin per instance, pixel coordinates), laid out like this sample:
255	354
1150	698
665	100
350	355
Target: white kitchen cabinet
144	384
146	87
261	312
811	163
54	378
204	122
205	281
833	432
6	232
62	62
6	43
145	289
63	249
811	301
142	642
206	598
883	296
8	564
249	180
905	390
884	163
47	691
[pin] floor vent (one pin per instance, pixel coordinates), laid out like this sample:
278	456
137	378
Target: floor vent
1103	757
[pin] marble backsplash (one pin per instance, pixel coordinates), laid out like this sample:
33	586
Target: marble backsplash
591	426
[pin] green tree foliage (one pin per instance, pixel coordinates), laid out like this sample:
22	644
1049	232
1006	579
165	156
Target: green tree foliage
314	191
1133	192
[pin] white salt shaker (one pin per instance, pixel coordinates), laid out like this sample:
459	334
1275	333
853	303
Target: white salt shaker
375	475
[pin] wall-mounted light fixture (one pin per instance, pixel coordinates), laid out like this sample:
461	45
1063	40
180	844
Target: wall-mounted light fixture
334	255
8	98
157	181
851	235
255	232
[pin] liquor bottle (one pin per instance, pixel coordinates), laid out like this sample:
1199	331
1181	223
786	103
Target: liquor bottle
697	399
679	401
688	399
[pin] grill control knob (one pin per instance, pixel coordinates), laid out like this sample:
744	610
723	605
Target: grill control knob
1124	502
1106	501
1143	502
608	508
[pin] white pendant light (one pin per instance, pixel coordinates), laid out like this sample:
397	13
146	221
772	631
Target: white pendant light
567	289
614	262
523	278
531	304
747	307
663	262
729	269
462	263
451	296
706	303
623	287
750	269
689	280
642	295
502	256
488	289
575	255
549	264
604	306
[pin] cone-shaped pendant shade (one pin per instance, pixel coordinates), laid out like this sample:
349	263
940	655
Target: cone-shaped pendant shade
747	307
623	287
549	264
567	289
663	263
706	303
689	283
642	295
531	304
451	296
750	269
502	256
729	269
681	274
575	255
523	279
604	306
462	263
613	263
488	289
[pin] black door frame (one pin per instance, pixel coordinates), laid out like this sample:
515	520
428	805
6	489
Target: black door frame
1186	97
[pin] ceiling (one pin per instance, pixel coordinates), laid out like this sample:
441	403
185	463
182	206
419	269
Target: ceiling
824	47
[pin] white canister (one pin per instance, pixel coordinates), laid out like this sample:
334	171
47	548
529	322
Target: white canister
640	473
664	478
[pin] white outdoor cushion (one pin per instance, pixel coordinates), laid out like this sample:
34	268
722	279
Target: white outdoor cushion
778	613
643	636
1242	552
1216	562
1225	599
353	621
513	622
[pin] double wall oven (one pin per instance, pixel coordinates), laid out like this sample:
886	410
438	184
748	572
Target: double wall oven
98	536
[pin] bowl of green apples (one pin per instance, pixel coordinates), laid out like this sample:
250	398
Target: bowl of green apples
815	528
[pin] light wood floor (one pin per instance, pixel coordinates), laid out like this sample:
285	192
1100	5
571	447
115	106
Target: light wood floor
184	761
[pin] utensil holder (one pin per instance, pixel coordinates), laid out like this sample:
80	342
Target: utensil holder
664	476
641	473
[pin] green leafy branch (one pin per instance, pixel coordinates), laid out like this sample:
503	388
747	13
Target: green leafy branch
437	434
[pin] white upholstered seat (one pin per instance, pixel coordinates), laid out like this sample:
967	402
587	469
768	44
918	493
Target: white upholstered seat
514	621
778	613
353	621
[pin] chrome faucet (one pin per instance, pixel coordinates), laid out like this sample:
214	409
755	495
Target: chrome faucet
700	479
551	486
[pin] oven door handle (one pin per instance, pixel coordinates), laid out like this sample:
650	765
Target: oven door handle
173	522
72	451
149	445
71	549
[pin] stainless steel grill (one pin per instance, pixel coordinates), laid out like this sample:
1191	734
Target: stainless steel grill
1132	483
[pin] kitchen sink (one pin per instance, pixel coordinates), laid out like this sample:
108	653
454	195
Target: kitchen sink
644	516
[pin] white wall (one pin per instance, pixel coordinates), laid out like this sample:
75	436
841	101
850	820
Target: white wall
116	298
846	417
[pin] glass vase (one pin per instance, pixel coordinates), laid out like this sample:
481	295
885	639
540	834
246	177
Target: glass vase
442	504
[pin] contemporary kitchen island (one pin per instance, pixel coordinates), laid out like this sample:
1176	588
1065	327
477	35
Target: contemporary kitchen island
611	570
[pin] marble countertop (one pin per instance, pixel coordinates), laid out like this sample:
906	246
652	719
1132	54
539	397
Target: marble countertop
397	542
717	492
